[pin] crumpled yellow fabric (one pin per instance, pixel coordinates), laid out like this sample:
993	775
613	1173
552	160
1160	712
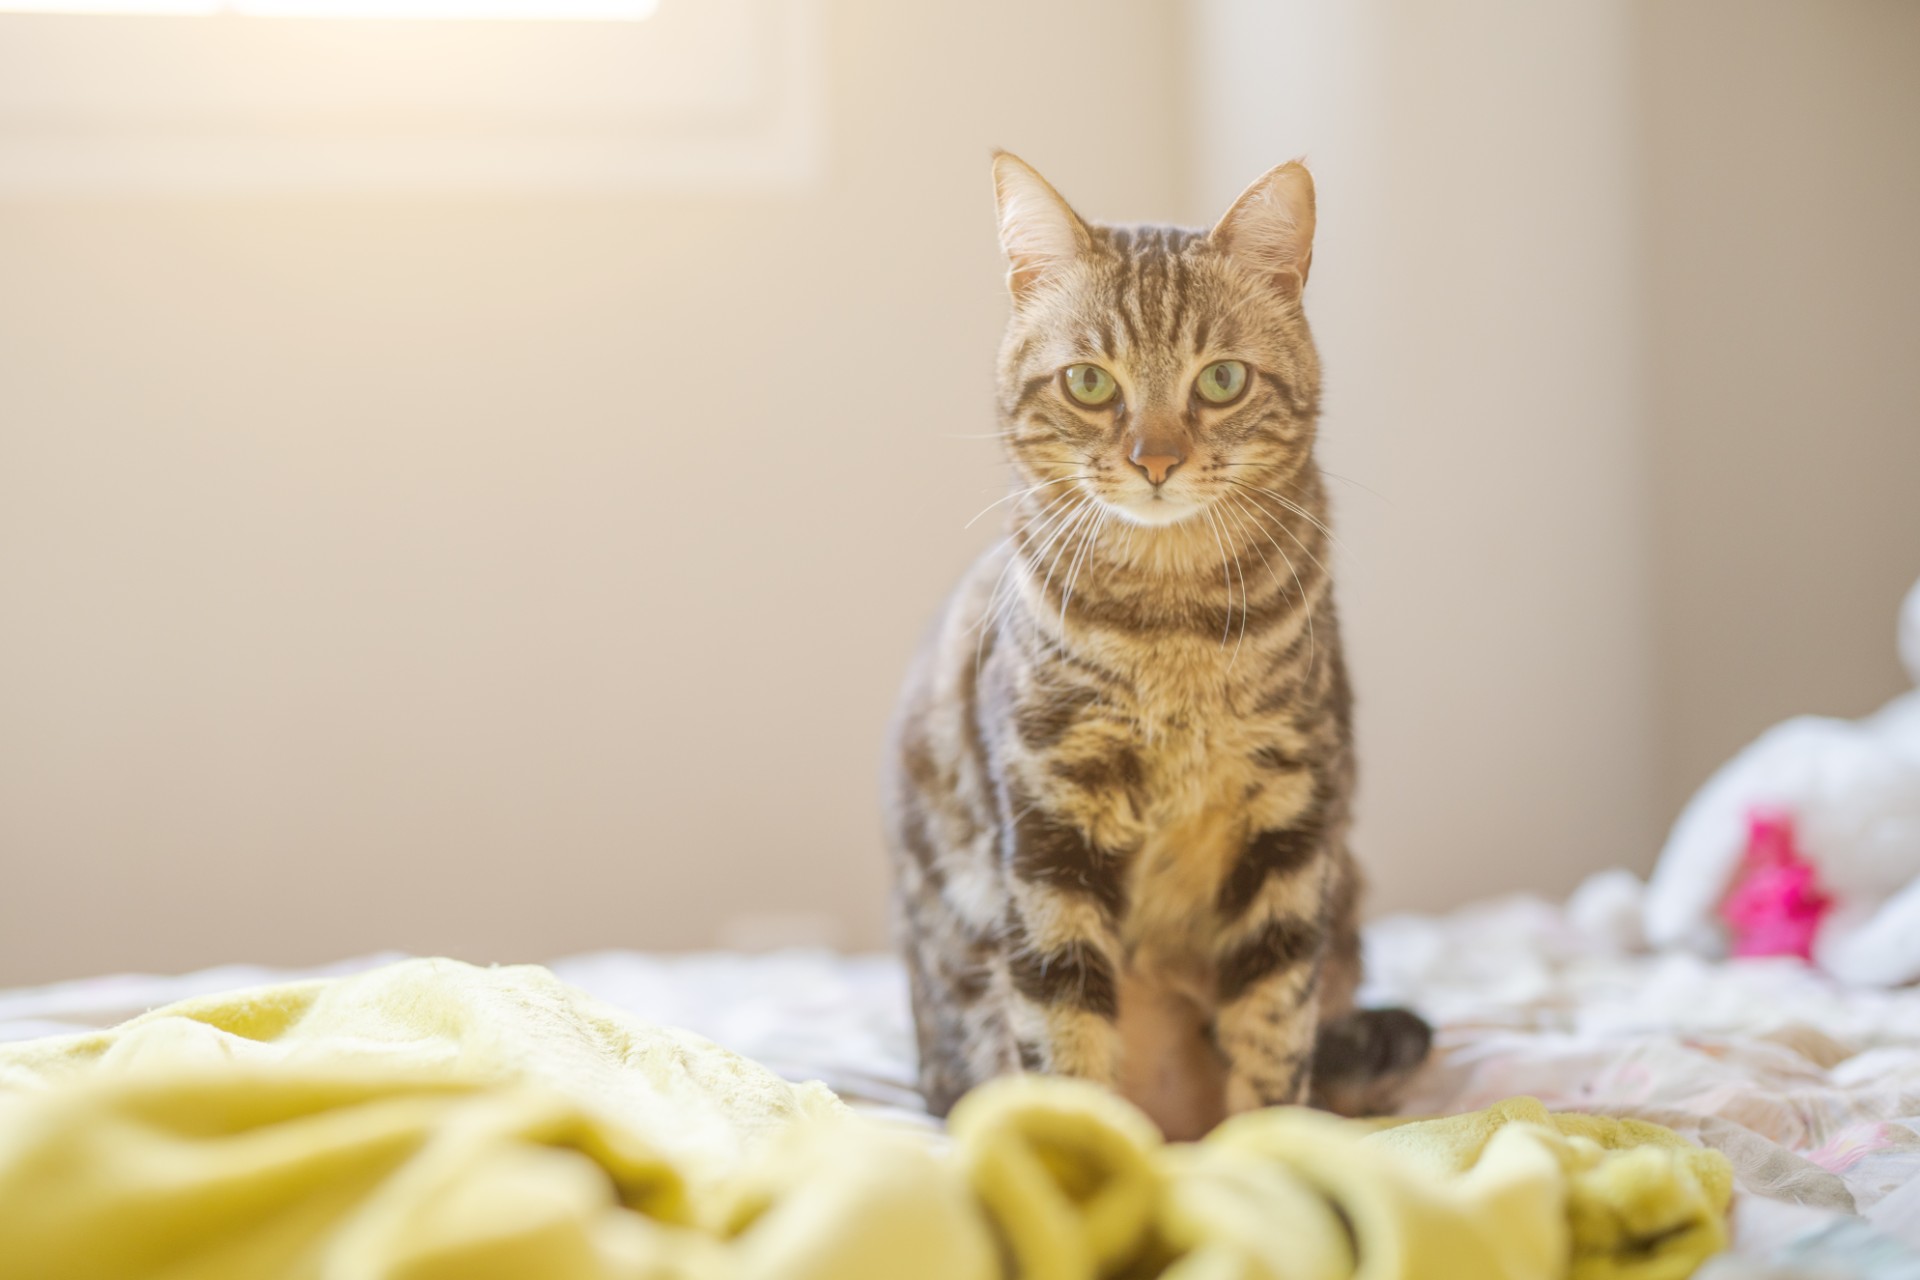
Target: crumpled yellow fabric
1079	1187
431	1120
1642	1202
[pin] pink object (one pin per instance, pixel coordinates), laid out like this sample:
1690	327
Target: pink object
1774	908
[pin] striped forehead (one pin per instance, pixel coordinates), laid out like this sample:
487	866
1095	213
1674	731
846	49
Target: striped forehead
1151	309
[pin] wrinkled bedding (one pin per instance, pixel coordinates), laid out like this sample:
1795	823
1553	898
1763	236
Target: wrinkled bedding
1812	1090
432	1120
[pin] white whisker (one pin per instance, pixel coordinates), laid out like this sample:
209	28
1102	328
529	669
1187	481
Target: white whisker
1240	518
1294	507
1001	598
1285	528
1331	475
1044	522
1020	493
1073	574
1246	600
1089	507
1299	586
1225	573
1356	484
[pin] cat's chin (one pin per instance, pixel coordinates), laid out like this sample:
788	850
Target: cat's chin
1156	512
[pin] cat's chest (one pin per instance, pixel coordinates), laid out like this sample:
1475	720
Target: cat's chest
1208	785
1206	730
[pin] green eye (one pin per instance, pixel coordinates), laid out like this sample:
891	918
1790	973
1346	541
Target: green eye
1089	384
1222	381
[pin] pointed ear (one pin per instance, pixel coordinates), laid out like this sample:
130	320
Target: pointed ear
1269	229
1039	233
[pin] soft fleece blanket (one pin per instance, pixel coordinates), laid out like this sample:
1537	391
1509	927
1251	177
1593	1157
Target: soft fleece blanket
430	1119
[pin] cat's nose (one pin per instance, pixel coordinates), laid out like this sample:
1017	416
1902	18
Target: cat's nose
1156	460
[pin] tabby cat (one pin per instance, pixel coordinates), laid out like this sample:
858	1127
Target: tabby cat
1120	776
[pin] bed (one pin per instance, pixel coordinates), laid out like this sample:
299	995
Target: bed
1811	1090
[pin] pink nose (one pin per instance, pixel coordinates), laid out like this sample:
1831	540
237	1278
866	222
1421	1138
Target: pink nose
1157	466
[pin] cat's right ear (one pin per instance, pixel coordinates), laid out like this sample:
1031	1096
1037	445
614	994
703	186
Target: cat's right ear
1270	227
1040	234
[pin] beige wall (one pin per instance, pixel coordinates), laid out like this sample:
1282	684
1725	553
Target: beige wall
512	576
506	577
1783	217
1620	305
1474	294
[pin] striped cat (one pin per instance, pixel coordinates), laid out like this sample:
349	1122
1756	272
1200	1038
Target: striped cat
1118	793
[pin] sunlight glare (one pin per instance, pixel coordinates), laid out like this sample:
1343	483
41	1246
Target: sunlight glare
411	10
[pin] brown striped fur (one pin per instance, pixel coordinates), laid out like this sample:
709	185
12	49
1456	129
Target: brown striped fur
1123	763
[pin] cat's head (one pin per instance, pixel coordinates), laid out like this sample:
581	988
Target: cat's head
1155	367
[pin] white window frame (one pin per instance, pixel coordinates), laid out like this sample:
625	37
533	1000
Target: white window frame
702	94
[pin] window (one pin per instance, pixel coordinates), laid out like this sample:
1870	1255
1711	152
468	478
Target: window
265	95
520	10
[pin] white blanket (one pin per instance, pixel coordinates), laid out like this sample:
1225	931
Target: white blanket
1812	1089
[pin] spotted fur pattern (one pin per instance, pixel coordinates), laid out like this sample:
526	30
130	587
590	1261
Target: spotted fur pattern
1121	773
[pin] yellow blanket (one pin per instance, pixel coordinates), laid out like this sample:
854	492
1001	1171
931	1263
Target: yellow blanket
431	1120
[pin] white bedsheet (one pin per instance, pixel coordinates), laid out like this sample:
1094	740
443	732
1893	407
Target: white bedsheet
1811	1089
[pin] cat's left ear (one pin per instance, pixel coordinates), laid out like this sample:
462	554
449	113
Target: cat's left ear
1039	232
1269	229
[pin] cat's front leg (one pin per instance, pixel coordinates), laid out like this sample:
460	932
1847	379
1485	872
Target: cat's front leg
1063	947
1267	969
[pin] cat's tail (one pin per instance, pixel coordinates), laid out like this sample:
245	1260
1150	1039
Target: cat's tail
1364	1060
